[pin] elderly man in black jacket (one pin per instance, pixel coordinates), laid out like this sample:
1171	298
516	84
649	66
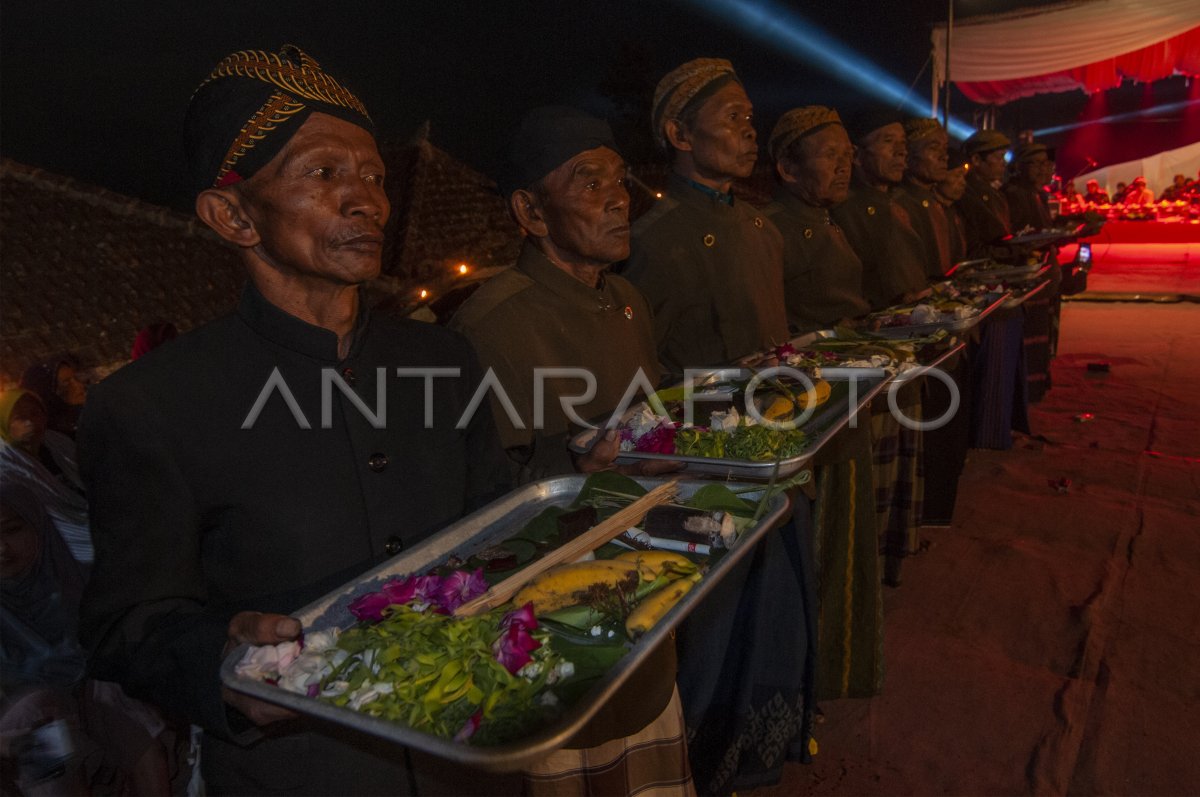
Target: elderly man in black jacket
264	458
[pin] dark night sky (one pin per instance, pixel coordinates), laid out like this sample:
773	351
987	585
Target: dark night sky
97	91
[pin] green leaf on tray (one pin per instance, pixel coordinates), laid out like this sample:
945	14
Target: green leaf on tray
717	497
599	485
543	528
591	662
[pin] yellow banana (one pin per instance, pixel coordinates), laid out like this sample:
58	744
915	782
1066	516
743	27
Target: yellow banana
782	408
779	407
820	395
568	585
655	605
652	564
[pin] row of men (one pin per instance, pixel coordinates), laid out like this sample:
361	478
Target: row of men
208	530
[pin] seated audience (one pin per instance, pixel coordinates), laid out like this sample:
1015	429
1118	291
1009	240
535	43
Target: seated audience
1095	194
112	744
61	391
1138	193
44	461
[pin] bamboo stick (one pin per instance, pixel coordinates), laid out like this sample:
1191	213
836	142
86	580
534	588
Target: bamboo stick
622	520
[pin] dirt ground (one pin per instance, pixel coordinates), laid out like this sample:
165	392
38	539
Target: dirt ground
1049	641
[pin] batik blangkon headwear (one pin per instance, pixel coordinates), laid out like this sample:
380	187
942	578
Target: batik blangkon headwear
919	127
250	106
797	124
683	86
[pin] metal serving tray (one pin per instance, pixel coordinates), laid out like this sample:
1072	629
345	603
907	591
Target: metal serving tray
808	339
1000	273
489	526
1018	300
826	421
1043	237
959	325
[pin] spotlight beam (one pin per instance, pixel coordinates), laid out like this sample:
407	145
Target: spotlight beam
798	38
1117	117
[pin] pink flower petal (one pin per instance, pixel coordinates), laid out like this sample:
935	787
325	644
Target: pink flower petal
469	727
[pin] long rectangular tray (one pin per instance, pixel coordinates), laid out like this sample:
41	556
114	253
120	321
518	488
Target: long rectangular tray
1043	237
1002	273
489	526
826	421
959	325
809	338
1017	301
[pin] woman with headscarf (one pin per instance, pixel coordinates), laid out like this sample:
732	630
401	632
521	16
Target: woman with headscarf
44	461
44	689
61	391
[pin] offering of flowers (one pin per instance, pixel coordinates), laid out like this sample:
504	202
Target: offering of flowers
485	678
949	302
848	352
729	433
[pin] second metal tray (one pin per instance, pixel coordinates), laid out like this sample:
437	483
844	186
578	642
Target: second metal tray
959	325
863	384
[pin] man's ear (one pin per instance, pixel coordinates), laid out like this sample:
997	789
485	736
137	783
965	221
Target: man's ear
784	168
677	135
222	209
526	209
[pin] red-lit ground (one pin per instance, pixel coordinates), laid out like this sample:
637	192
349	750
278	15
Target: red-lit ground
1048	642
1143	267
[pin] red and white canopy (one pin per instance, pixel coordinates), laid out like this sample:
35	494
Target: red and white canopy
1087	44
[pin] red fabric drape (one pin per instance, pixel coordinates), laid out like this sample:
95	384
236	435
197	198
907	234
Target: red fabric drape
1176	55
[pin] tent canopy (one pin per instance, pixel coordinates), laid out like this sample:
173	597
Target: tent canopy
1088	44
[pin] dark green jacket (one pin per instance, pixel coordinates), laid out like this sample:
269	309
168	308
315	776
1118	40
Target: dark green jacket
931	224
822	276
985	215
535	315
1026	206
713	274
881	233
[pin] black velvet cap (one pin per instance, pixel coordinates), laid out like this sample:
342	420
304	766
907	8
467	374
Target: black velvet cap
545	139
252	103
866	121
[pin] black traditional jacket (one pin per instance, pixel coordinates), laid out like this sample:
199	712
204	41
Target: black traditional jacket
206	501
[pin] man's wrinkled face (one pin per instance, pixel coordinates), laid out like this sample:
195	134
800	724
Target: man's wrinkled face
585	205
927	157
989	166
821	171
724	142
319	206
954	184
883	154
19	544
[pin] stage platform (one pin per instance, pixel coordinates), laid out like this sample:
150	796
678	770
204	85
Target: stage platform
1148	232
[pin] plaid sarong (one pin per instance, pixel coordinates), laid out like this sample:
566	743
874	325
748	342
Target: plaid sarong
899	480
651	763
